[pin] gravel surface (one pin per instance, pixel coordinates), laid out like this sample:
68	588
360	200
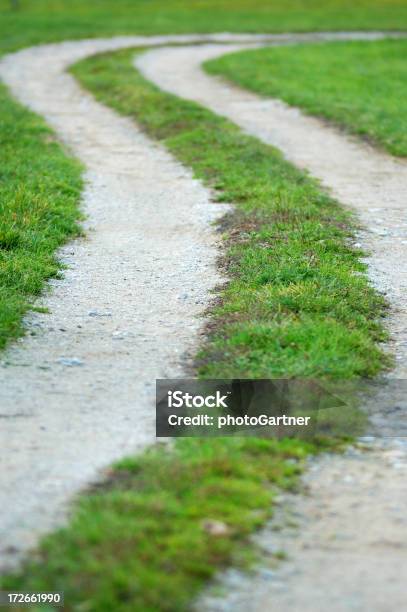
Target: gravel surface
346	539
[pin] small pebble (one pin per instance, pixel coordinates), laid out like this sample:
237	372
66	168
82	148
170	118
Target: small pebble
70	361
96	313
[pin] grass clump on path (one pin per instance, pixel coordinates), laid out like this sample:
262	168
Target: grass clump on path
357	85
298	302
39	192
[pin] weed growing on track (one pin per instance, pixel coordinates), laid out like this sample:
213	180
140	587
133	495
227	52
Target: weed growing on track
298	302
39	190
356	85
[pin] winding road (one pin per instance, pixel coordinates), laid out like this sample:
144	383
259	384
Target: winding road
77	391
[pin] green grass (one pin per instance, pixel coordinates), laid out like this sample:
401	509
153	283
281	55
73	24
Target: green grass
39	21
298	302
39	191
358	86
140	542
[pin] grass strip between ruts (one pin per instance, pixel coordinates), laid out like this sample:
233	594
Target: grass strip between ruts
357	85
298	304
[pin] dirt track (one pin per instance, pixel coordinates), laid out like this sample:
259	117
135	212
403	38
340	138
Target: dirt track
79	393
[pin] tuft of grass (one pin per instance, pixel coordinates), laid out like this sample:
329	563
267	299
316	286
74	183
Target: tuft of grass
298	302
142	540
39	192
358	86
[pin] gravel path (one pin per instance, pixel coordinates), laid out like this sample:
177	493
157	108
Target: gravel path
347	544
77	391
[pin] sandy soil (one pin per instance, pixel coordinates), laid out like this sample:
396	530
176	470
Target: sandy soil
345	539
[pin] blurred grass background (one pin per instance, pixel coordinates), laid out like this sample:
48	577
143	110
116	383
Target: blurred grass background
36	21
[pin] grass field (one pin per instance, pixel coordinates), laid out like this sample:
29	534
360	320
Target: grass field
40	21
358	86
39	191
